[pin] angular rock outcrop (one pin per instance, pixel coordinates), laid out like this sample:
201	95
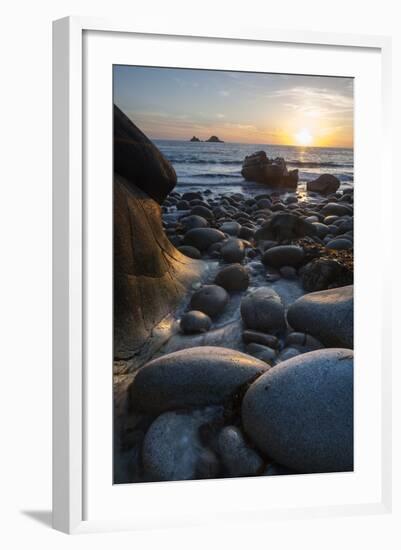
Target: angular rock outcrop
273	172
150	275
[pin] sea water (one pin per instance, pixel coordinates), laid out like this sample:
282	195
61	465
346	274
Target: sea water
217	166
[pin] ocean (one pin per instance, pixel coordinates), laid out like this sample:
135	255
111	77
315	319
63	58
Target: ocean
217	166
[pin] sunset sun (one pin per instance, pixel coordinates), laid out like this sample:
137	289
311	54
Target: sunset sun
304	137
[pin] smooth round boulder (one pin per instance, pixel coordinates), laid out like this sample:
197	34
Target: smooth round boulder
335	209
339	244
190	251
233	250
327	315
203	237
233	278
193	222
263	310
193	377
238	458
300	413
203	211
194	321
284	255
325	184
231	228
172	449
211	299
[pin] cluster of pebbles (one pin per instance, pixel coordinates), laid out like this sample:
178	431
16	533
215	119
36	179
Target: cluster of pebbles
259	378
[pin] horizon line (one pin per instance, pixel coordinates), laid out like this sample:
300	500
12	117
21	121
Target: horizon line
249	143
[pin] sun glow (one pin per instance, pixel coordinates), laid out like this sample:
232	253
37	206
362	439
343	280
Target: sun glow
304	137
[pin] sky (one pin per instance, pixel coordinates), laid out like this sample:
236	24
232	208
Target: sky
241	107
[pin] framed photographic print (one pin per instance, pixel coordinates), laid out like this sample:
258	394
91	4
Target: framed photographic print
219	337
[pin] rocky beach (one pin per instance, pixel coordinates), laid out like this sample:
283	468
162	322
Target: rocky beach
233	318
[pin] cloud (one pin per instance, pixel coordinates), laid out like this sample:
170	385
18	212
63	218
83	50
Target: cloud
220	115
314	101
224	93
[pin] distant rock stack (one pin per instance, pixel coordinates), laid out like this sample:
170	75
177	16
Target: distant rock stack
215	139
273	172
150	275
194	138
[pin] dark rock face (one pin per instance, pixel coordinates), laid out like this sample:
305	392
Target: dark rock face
285	255
327	315
300	413
258	167
150	275
324	184
194	138
233	278
263	310
193	377
139	162
211	299
284	227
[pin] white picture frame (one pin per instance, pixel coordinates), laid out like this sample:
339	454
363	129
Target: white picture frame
71	258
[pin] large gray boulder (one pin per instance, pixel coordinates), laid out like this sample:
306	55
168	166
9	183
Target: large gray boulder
172	449
263	310
325	184
327	315
192	377
300	413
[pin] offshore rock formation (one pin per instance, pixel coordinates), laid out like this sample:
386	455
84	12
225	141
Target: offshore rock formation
150	275
215	139
273	172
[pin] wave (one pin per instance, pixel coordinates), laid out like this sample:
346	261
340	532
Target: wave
204	161
299	163
214	176
311	164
